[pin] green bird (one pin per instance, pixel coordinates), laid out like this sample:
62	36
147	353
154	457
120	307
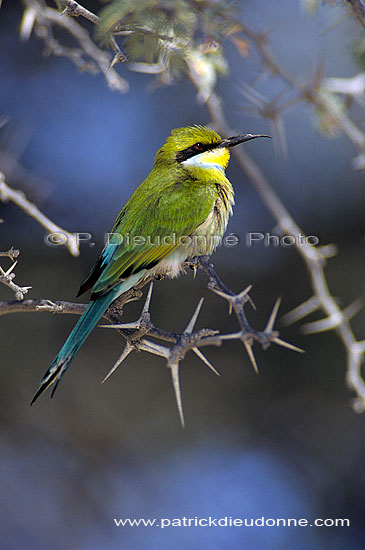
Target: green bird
179	211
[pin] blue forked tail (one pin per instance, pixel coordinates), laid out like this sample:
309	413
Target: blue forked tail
88	320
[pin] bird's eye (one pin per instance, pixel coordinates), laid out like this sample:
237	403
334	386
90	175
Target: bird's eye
198	147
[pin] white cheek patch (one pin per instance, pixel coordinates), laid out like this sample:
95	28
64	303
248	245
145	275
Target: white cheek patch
203	160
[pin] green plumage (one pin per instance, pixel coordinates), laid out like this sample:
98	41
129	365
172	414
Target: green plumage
171	203
181	210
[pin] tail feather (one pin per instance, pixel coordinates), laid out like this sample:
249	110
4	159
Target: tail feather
88	320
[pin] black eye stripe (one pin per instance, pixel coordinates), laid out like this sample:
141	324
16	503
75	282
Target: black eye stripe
193	150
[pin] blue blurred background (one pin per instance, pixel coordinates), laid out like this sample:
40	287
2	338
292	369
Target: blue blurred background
285	443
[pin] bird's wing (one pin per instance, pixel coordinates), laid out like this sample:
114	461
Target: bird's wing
148	230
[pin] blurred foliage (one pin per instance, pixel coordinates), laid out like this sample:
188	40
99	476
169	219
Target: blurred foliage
311	6
178	18
325	121
165	31
358	50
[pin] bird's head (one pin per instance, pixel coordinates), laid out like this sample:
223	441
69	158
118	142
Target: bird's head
198	148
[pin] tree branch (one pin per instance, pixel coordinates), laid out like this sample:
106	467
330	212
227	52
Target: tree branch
45	17
138	333
12	254
311	93
358	9
19	199
6	278
314	258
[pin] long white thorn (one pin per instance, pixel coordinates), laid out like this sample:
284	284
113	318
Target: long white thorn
134	324
221	293
304	309
284	344
328	323
176	383
148	299
350	311
5	274
189	328
251	355
127	350
152	347
205	360
252	303
273	315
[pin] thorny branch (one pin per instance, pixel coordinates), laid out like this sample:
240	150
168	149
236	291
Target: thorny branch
7	277
74	9
314	258
42	18
138	333
311	92
87	57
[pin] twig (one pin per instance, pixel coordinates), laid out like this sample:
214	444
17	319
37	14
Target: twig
311	93
137	333
314	258
74	9
188	340
358	9
6	278
46	15
32	306
12	253
19	199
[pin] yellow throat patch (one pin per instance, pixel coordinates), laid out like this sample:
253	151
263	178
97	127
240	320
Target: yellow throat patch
216	158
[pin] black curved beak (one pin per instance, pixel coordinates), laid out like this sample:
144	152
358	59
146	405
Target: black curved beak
236	140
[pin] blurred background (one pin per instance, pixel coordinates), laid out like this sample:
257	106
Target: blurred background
284	444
